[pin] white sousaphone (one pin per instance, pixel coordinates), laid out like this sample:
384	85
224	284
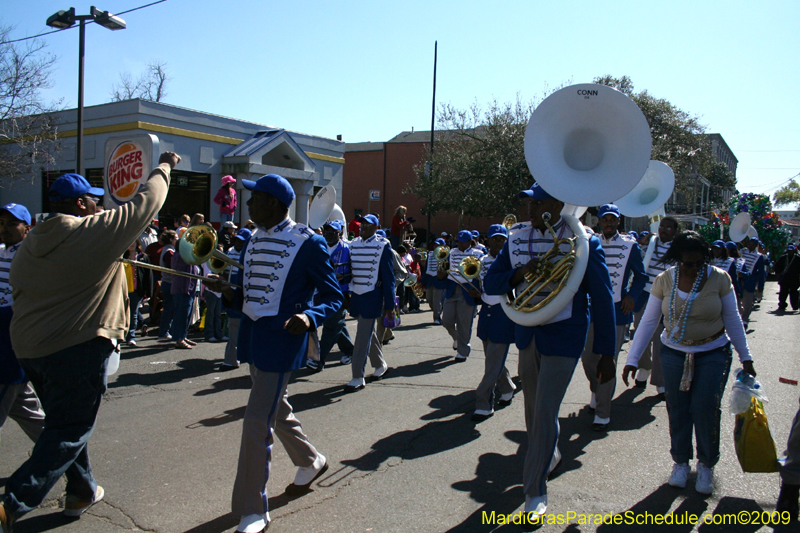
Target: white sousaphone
740	227
338	214
752	233
585	144
648	199
321	207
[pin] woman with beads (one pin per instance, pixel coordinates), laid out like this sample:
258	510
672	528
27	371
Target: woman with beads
701	321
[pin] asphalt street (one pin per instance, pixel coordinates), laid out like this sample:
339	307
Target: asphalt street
404	454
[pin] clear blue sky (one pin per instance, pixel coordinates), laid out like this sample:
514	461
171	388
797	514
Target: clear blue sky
364	69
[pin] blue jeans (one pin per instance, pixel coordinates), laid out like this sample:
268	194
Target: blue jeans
213	316
698	408
183	311
168	311
136	315
223	217
334	330
70	384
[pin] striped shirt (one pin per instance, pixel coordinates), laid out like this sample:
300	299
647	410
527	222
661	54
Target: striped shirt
656	267
6	256
750	259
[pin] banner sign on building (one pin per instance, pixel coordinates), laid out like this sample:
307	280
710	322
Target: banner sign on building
128	162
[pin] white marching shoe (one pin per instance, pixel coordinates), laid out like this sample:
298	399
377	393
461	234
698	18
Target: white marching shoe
535	507
679	476
705	479
253	523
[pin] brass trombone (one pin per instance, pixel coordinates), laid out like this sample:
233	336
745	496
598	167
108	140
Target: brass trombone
469	268
197	245
441	253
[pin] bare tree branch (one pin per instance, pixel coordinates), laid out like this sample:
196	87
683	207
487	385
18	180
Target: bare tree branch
151	85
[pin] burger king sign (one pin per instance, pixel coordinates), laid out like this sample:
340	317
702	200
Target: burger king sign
129	161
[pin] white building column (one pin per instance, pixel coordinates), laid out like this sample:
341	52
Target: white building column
303	193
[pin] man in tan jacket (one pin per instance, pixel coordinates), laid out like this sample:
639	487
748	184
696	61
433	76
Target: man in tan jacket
70	309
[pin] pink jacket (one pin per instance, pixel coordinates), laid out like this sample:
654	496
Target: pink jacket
226	201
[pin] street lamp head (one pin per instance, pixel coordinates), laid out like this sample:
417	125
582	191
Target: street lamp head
62	20
107	20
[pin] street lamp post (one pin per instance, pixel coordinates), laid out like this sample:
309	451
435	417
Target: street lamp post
66	19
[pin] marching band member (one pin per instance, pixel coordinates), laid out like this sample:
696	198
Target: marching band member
18	400
720	259
755	270
623	259
231	360
283	263
334	329
460	302
435	285
372	297
476	241
650	363
548	353
496	331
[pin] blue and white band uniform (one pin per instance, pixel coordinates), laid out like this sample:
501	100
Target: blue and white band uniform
235	255
454	276
486	264
624	258
656	267
365	259
270	254
432	269
754	263
526	242
340	257
6	256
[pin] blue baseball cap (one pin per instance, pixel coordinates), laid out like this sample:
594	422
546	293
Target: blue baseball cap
634	235
18	211
277	186
335	224
72	186
369	219
645	233
718	244
439	242
754	240
791	247
243	234
536	192
380	231
608	209
730	245
497	229
475	233
464	236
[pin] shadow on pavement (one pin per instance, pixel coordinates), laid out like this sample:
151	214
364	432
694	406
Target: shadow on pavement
497	485
186	369
232	383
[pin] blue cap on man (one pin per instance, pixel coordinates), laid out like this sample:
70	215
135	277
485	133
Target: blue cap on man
475	234
439	242
497	229
335	224
731	246
718	244
380	232
369	219
464	236
18	211
72	186
536	192
634	235
243	234
791	248
273	184
608	209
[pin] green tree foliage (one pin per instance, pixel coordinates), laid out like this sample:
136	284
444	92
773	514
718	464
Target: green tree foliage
478	162
787	194
28	137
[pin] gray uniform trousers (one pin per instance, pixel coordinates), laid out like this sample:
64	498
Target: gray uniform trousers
790	469
603	393
457	317
495	373
367	344
544	383
748	299
434	298
651	357
233	341
268	412
20	403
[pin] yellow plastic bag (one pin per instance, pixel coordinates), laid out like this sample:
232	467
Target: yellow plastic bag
755	446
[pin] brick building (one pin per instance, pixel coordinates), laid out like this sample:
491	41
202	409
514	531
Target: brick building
388	167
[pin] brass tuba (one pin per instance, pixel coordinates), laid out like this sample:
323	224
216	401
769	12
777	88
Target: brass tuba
198	244
510	220
585	144
441	253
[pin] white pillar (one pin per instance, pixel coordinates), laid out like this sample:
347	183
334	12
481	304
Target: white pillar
302	192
